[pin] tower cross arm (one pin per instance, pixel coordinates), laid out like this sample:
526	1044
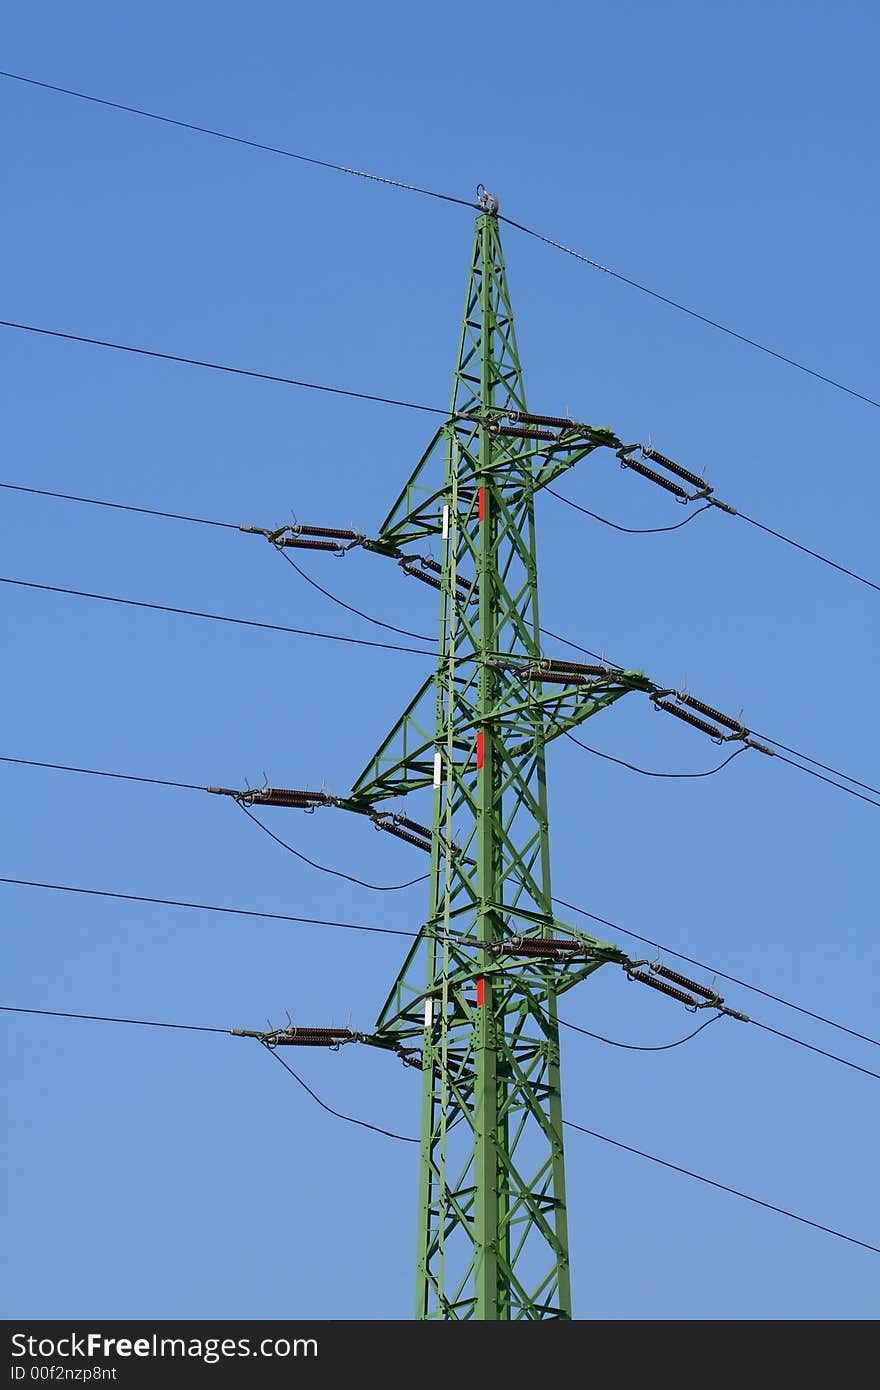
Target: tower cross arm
571	446
573	697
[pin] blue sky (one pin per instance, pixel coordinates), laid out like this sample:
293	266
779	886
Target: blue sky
723	154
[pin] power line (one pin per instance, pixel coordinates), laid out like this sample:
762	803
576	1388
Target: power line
133	897
240	371
399	931
825	767
212	617
807	551
412	935
192	786
105	1018
638	1047
278	916
208	907
221	367
567	642
377	887
227	525
337	873
351	1119
409	1139
832	1056
389	646
119	506
337	637
358	612
645	772
723	1187
275	627
691	313
232	526
463	1111
627	530
97	772
730	511
600	656
714	970
446	198
240	140
788	1037
811	771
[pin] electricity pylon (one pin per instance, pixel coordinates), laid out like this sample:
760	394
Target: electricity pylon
479	987
474	1004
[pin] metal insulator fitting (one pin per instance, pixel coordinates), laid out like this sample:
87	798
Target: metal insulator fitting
525	417
711	713
408	567
290	797
309	1037
672	467
540	673
429	563
521	432
689	719
538	946
295	543
560	672
660	985
673	975
414	826
463	588
328	532
411	839
750	743
583	667
655	478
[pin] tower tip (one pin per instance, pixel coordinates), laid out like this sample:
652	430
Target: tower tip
486	201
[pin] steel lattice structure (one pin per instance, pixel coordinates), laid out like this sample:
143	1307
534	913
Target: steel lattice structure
475	1000
474	1005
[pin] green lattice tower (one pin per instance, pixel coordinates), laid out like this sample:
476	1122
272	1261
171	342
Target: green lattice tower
475	1002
